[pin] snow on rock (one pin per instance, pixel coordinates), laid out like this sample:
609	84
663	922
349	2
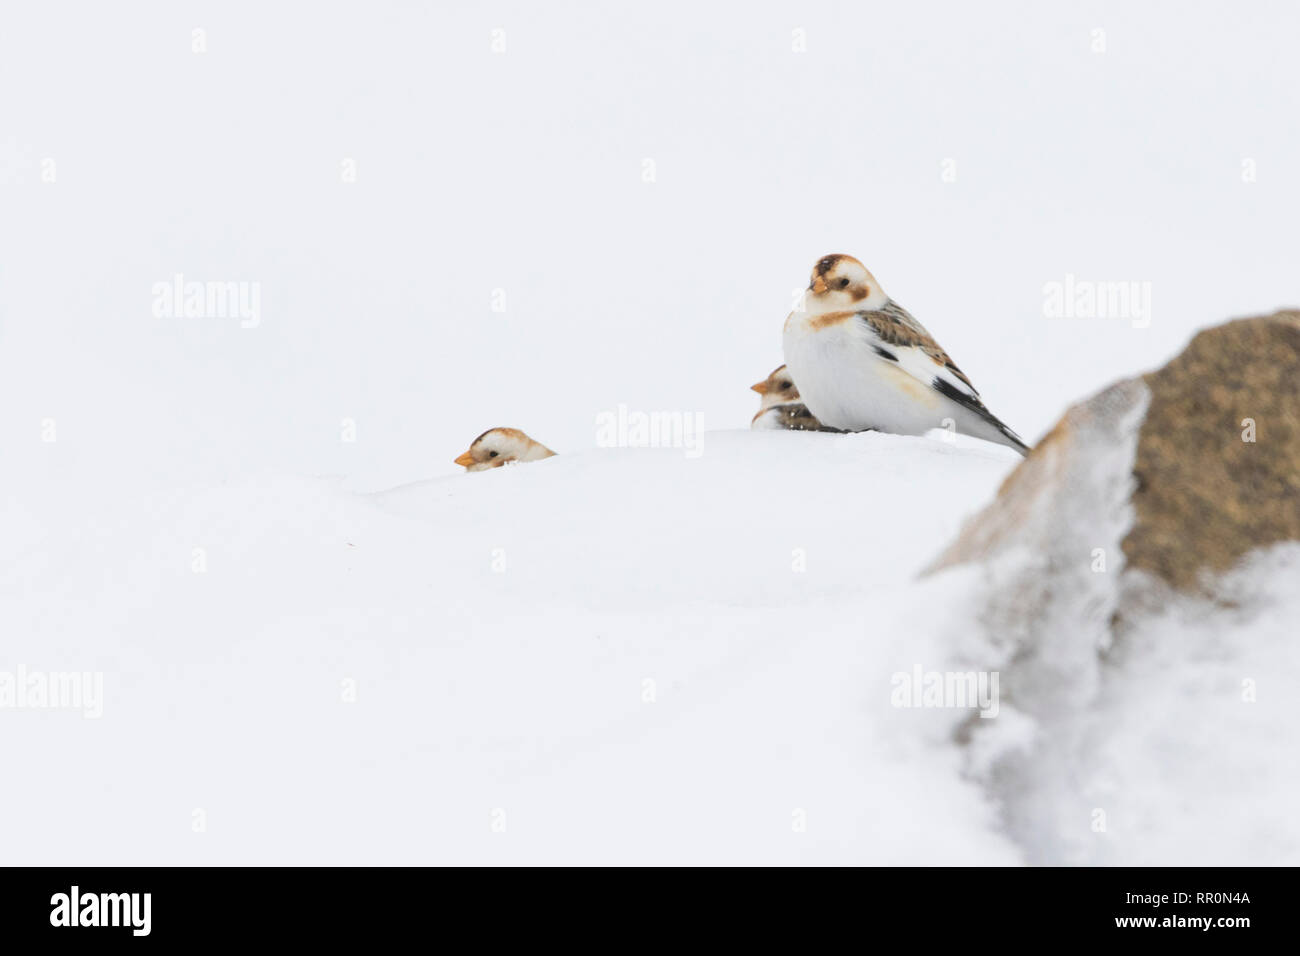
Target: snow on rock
1144	712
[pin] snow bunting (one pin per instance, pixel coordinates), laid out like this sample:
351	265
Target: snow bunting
863	362
777	389
781	407
502	446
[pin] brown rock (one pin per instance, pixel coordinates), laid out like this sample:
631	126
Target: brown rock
1202	495
1205	496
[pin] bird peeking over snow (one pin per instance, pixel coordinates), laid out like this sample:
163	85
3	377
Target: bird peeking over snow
777	389
781	407
502	446
863	362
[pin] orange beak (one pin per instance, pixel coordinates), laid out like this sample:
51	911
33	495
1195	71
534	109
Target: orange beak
465	460
761	388
819	285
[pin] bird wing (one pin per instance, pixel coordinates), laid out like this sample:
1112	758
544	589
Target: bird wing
916	351
898	337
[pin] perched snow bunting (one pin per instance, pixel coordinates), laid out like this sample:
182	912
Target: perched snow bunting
781	407
501	446
863	362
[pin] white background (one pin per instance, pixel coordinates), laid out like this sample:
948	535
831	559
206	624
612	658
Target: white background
523	171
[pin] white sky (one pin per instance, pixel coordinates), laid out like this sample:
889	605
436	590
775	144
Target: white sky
523	171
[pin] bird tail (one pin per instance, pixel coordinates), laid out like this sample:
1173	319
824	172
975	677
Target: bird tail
986	425
1010	438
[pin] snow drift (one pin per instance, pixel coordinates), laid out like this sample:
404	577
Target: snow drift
624	655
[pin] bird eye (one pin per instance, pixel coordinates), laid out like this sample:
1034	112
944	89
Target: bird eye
492	454
844	283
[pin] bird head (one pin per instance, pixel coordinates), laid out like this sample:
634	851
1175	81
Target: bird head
777	389
840	283
500	446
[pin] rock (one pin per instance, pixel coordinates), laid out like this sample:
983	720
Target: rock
1215	470
1218	460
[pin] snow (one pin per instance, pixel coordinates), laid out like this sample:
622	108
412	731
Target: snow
1175	746
521	690
1199	755
608	657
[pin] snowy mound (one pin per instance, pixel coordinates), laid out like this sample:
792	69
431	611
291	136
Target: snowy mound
617	655
623	655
